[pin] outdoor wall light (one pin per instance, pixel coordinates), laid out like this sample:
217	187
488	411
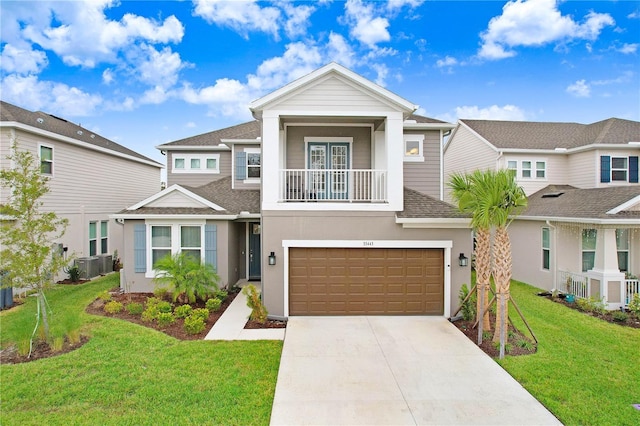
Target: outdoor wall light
272	259
463	260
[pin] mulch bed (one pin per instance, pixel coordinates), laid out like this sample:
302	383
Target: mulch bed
632	320
268	324
67	281
40	350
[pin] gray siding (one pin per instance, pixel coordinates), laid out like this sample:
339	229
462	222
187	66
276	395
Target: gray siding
526	247
425	176
360	149
197	179
583	169
238	183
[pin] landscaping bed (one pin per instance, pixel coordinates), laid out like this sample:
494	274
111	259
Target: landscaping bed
590	308
518	343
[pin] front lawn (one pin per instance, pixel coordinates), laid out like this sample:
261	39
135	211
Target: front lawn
128	374
586	370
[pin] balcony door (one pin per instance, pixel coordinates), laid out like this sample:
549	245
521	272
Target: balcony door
328	175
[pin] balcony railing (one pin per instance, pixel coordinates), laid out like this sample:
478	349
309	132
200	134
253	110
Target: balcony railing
631	288
335	185
573	283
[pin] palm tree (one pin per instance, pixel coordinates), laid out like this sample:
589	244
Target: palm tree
186	278
464	189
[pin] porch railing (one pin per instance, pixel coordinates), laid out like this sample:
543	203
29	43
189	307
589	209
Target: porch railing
335	185
574	283
631	288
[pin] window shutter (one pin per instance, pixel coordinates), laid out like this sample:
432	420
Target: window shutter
211	245
605	168
241	165
633	169
140	248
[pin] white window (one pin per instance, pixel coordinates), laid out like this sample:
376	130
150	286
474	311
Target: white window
196	163
46	159
619	169
168	239
104	237
413	147
526	169
512	166
253	164
541	169
546	249
93	238
622	245
588	249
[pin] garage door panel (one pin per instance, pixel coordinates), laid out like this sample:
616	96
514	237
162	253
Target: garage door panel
355	281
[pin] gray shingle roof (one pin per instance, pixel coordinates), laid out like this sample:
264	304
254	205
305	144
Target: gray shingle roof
142	211
60	126
541	135
249	130
423	119
419	205
591	203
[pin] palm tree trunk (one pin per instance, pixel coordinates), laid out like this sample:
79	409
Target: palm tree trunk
483	276
502	277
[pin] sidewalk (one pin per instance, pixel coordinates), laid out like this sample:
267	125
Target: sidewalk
230	326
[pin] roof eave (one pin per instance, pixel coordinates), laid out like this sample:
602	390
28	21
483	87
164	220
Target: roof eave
221	147
439	222
595	221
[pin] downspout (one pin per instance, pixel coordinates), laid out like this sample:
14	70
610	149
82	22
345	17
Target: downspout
498	160
555	255
442	136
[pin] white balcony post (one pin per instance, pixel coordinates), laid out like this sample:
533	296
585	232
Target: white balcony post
605	268
394	150
270	159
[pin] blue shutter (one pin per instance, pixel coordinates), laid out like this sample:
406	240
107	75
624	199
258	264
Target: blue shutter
211	245
140	248
605	168
241	165
633	169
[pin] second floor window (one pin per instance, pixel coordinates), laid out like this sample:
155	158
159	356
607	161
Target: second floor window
196	163
619	169
413	147
528	169
46	160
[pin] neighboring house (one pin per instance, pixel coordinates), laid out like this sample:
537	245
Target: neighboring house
582	225
90	177
332	198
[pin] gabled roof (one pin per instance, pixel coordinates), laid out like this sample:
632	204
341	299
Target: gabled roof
249	130
546	135
216	198
43	122
565	202
332	68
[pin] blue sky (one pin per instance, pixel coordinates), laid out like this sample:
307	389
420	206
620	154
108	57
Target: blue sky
148	72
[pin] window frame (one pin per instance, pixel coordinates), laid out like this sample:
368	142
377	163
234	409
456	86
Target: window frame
514	169
623	250
176	241
254	151
618	169
104	237
51	162
546	250
583	251
188	162
93	240
413	137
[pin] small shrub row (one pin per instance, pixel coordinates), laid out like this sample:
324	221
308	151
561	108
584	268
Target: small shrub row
591	305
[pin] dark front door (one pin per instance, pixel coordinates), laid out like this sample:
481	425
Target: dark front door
254	251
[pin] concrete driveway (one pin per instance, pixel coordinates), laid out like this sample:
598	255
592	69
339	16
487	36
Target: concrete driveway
393	371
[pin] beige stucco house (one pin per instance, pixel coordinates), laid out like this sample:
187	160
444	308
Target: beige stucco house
90	177
332	198
581	230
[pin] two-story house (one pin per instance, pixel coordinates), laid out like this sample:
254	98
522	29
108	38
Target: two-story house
332	198
581	230
90	177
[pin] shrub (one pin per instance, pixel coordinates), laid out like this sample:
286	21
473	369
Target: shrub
135	308
258	311
201	313
105	296
113	307
591	305
57	344
214	304
221	294
193	324
164	307
182	311
152	302
73	336
161	293
525	344
24	346
634	304
619	316
165	319
150	314
73	272
186	278
468	307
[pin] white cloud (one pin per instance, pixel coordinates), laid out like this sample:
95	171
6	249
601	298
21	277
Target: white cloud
241	16
579	89
158	68
629	48
56	98
340	51
297	19
624	78
22	61
399	4
107	76
536	23
493	112
365	27
382	71
634	15
190	125
448	61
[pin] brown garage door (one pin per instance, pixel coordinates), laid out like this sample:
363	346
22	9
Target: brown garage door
371	281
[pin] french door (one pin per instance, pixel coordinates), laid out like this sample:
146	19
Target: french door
328	175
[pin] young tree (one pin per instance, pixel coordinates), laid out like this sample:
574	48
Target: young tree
28	255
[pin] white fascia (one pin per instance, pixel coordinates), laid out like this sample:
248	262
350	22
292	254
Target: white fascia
133	216
241	141
632	202
428	126
71	141
206	148
581	220
172	188
328	206
434	223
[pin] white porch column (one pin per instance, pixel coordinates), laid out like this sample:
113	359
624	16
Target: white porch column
395	155
605	270
270	158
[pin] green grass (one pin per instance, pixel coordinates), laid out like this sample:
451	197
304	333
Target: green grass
128	374
586	371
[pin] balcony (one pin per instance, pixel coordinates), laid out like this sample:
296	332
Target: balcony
333	185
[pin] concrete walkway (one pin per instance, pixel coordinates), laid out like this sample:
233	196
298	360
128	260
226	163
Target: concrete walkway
230	326
394	371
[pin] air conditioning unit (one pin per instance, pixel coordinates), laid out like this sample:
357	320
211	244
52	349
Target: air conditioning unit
106	263
89	266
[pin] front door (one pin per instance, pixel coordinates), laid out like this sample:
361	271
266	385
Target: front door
328	176
254	251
